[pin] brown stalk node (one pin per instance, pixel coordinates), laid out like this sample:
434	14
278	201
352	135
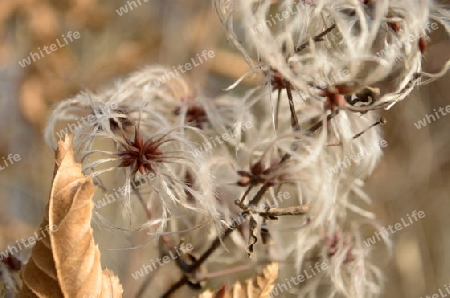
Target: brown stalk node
279	83
277	80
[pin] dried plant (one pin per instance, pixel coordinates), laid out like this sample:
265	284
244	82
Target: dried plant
67	263
217	165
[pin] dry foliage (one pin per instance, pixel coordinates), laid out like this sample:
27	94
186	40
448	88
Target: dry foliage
67	263
260	286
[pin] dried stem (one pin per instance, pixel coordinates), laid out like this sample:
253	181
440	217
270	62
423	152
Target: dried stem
184	280
316	38
241	202
381	121
294	119
277	109
166	240
191	268
319	124
148	212
295	210
226	271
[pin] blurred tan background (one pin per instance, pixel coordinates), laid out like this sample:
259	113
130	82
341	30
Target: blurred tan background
414	174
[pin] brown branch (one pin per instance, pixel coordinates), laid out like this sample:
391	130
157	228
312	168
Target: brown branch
295	210
184	280
241	202
277	109
319	124
316	38
191	268
226	271
381	121
294	119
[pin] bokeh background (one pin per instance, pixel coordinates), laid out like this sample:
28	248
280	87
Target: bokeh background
413	175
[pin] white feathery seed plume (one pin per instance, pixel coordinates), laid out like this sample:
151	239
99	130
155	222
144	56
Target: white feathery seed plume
310	130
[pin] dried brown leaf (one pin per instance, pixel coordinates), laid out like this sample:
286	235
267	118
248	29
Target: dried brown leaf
258	287
67	263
